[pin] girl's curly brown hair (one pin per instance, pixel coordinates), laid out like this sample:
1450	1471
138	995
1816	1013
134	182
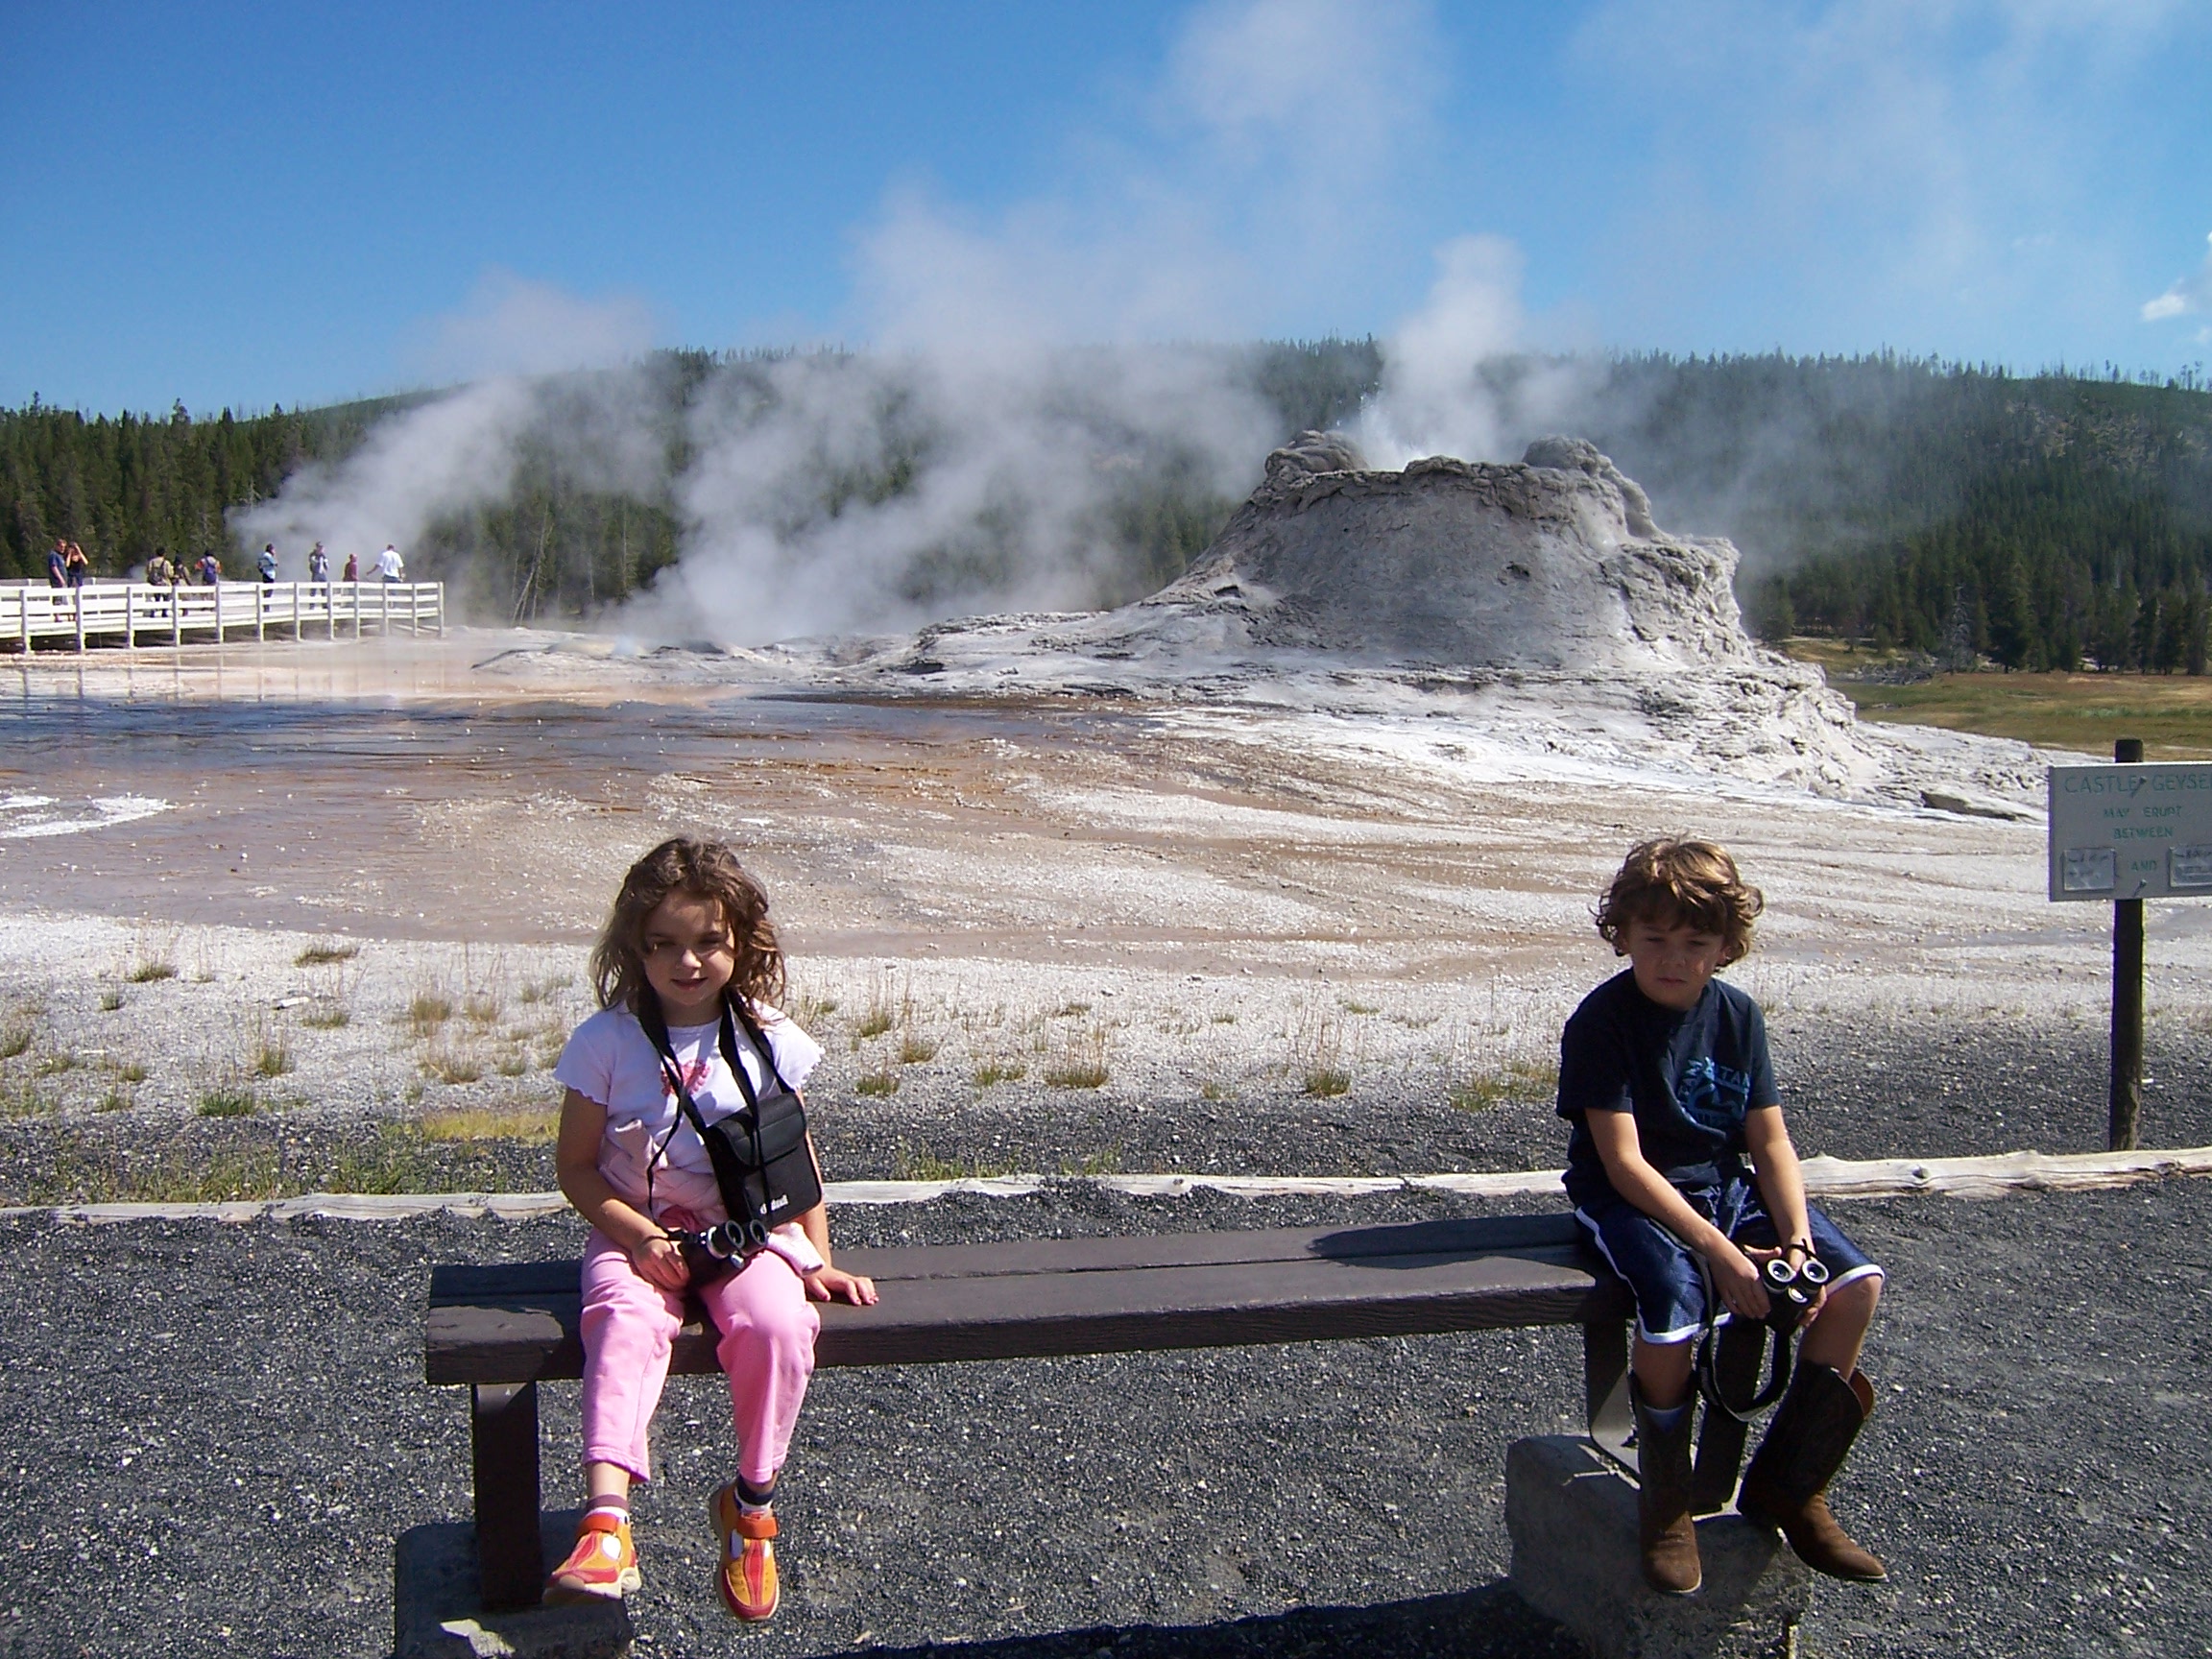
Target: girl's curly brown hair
700	870
1666	882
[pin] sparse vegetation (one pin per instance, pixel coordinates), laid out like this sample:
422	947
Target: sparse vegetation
1107	1161
24	1098
16	1039
993	1071
150	973
1070	1010
134	1071
1079	1062
874	1024
228	1100
110	1000
536	991
1323	1069
914	1048
327	1013
920	1164
429	1008
1350	1006
1515	1080
535	1124
482	1008
1210	1090
876	1083
55	1064
271	1055
449	1064
326	951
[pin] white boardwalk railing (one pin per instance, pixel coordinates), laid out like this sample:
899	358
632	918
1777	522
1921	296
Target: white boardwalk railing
134	613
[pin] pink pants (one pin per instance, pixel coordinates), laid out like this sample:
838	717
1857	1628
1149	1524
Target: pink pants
767	1348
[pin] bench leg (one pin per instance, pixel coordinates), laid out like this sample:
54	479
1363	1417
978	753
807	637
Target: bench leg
503	1435
1605	1389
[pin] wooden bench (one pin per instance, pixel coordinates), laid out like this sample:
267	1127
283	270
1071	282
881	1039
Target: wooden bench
505	1329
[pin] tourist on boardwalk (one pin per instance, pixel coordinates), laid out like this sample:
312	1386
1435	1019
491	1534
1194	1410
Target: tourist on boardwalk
1665	1074
57	565
686	1043
210	569
318	563
267	564
390	565
80	568
352	567
157	568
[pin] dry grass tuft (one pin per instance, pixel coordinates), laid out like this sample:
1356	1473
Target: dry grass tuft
1080	1061
535	1125
326	951
876	1083
1515	1080
1000	1071
449	1064
920	1164
228	1100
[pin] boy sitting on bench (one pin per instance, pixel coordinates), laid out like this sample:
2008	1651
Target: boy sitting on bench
1665	1074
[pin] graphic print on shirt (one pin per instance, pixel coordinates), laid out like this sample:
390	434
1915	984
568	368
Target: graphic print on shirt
1712	1096
694	1074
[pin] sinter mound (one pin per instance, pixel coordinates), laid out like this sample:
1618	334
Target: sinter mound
1551	564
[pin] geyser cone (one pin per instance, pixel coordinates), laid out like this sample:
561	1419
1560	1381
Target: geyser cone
1551	562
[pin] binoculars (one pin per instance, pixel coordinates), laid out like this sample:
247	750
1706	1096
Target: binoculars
1792	1291
714	1253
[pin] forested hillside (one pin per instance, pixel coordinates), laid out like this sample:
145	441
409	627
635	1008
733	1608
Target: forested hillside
2036	521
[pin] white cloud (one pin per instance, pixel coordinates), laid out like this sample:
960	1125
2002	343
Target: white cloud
2190	295
510	325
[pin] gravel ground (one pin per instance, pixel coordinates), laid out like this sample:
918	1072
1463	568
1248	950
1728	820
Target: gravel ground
1856	1089
2035	1477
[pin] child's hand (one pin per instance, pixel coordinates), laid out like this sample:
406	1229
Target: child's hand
1736	1281
834	1284
660	1262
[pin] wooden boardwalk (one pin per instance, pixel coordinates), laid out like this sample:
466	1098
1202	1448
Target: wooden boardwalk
139	613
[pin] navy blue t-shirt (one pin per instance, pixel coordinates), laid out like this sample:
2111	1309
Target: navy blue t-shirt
1688	1076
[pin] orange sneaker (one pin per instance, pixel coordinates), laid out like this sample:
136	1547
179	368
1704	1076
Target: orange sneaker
602	1564
749	1588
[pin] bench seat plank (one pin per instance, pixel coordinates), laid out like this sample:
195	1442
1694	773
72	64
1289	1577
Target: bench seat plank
1042	1297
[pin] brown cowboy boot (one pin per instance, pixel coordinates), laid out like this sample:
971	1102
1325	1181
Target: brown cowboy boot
1721	1438
1785	1487
1665	1533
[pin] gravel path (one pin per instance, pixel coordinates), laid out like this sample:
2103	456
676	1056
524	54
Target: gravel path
220	1430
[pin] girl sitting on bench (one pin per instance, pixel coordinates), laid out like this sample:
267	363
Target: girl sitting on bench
687	969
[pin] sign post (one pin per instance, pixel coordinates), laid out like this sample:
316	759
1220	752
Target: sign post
2127	832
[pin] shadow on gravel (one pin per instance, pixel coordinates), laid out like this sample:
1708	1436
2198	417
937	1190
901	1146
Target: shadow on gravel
1491	1623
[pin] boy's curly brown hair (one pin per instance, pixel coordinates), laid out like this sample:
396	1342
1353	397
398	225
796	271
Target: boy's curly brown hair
701	870
1666	882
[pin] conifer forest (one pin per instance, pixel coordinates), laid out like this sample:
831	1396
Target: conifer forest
2054	520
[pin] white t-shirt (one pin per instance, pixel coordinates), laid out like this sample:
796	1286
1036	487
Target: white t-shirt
611	1061
388	563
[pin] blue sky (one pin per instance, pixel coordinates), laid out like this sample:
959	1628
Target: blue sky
247	205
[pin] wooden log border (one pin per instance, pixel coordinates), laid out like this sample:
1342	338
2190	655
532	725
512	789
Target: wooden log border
1831	1179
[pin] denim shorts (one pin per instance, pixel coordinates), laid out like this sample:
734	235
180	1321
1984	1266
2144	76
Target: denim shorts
1663	1272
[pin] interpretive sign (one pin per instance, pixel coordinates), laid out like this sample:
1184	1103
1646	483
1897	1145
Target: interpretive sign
2140	831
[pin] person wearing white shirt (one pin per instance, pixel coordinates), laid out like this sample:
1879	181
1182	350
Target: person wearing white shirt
390	565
